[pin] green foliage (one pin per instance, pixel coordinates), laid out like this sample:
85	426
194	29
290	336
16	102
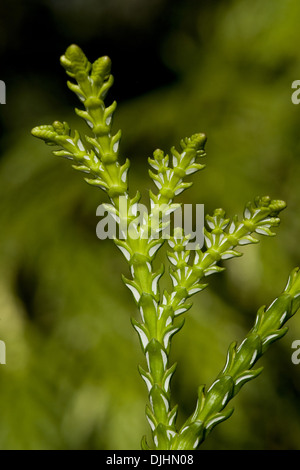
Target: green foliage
98	155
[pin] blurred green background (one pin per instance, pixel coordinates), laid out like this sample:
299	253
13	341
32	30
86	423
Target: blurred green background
220	67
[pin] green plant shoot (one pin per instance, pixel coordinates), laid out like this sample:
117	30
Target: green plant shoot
161	313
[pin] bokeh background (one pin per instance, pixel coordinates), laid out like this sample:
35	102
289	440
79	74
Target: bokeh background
220	67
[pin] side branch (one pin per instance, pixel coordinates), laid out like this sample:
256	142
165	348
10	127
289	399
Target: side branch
268	327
